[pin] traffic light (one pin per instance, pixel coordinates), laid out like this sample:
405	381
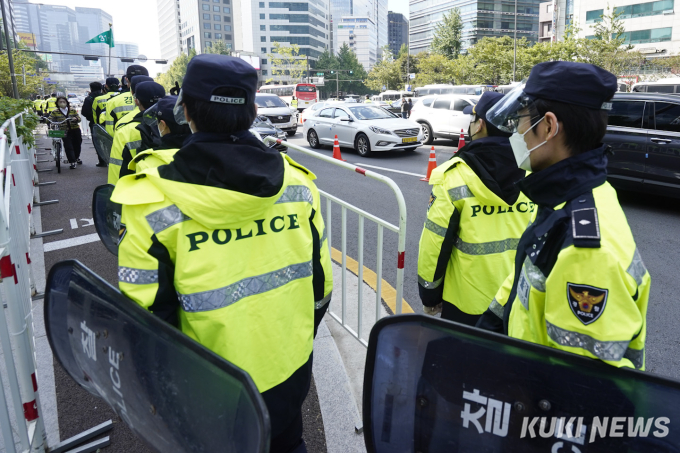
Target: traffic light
351	72
332	72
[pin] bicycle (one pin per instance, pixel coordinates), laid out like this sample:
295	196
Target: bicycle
56	135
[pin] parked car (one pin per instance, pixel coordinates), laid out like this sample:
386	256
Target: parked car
644	133
364	127
442	116
277	111
262	128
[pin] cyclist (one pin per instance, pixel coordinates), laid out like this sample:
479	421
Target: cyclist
73	139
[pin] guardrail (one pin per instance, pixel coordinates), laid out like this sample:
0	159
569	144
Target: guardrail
381	225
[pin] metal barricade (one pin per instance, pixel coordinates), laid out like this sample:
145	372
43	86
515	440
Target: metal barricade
381	226
18	166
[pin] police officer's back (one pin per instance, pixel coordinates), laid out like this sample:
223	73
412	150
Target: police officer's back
123	102
579	283
474	221
228	243
99	102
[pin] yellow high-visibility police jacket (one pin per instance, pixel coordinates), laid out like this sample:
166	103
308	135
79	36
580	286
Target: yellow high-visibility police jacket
467	246
51	104
126	118
582	286
37	105
126	140
116	108
99	105
241	274
152	158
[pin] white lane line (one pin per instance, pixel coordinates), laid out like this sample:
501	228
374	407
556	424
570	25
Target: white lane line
66	243
74	224
390	169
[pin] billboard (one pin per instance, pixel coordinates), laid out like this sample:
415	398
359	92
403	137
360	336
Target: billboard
28	39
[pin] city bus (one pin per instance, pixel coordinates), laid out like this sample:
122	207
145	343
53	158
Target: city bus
668	85
392	95
453	89
305	93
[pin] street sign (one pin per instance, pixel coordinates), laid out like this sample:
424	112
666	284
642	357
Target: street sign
407	88
46	78
412	76
141	58
384	88
319	73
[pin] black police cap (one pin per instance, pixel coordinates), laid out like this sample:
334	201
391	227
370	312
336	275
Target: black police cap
165	109
207	73
148	93
486	101
95	86
137	80
580	84
112	81
134	70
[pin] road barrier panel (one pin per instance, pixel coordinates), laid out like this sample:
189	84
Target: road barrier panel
363	216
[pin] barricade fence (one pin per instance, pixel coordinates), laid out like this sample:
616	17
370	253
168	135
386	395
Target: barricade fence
356	323
19	171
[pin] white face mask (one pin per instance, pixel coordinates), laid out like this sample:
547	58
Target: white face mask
522	151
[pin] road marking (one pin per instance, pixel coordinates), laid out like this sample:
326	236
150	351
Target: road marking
74	224
390	169
72	242
88	222
389	294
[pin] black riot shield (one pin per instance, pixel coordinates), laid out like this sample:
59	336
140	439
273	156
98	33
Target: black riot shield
172	392
436	386
102	142
107	215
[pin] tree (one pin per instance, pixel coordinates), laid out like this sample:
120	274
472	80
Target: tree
285	62
448	35
176	71
434	68
218	48
34	79
385	73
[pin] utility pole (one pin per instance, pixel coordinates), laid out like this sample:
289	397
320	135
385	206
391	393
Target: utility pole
23	69
514	58
9	52
111	36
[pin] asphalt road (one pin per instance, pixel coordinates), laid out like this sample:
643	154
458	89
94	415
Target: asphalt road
79	410
654	221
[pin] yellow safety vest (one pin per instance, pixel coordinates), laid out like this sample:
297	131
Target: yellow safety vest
99	105
477	229
37	104
126	139
294	103
152	158
593	302
126	118
242	266
116	108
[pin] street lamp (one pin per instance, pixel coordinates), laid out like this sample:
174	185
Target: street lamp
514	58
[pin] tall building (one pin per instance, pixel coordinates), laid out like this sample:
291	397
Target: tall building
374	10
397	31
652	28
360	34
204	23
169	28
264	23
480	19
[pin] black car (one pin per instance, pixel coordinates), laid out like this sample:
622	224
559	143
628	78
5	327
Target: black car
265	128
644	133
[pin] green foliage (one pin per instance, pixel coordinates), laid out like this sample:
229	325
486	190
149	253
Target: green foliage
392	73
448	35
34	80
176	71
10	107
435	68
286	62
219	48
346	60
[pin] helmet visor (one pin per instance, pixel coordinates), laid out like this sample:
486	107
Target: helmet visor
178	110
506	114
150	117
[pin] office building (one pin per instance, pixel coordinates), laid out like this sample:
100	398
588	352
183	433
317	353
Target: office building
169	28
545	22
360	34
203	23
480	19
652	28
373	10
397	31
126	50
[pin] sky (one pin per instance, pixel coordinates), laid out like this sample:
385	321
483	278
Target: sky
137	21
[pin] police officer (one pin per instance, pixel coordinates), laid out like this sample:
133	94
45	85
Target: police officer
126	117
51	104
227	242
123	102
99	103
579	283
368	100
37	102
127	138
474	221
159	147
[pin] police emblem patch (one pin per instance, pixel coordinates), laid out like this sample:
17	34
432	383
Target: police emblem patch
586	302
432	200
121	232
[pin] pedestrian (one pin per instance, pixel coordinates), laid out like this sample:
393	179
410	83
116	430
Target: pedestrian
579	284
89	112
404	108
123	102
227	242
475	218
127	137
74	138
410	106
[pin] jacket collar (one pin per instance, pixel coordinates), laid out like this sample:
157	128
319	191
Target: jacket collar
566	179
214	137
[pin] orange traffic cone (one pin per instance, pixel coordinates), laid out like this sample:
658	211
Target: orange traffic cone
336	150
431	165
461	140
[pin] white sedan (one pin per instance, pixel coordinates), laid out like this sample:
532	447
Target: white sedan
366	128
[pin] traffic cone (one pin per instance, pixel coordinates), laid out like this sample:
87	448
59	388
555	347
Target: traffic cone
431	165
336	150
461	140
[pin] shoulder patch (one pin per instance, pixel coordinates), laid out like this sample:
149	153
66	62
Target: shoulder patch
433	198
586	302
585	225
311	176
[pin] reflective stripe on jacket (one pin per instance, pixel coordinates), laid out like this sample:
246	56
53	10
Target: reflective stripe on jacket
126	140
116	108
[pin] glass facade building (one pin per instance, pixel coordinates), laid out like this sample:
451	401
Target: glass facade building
480	19
205	22
373	10
360	34
397	31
